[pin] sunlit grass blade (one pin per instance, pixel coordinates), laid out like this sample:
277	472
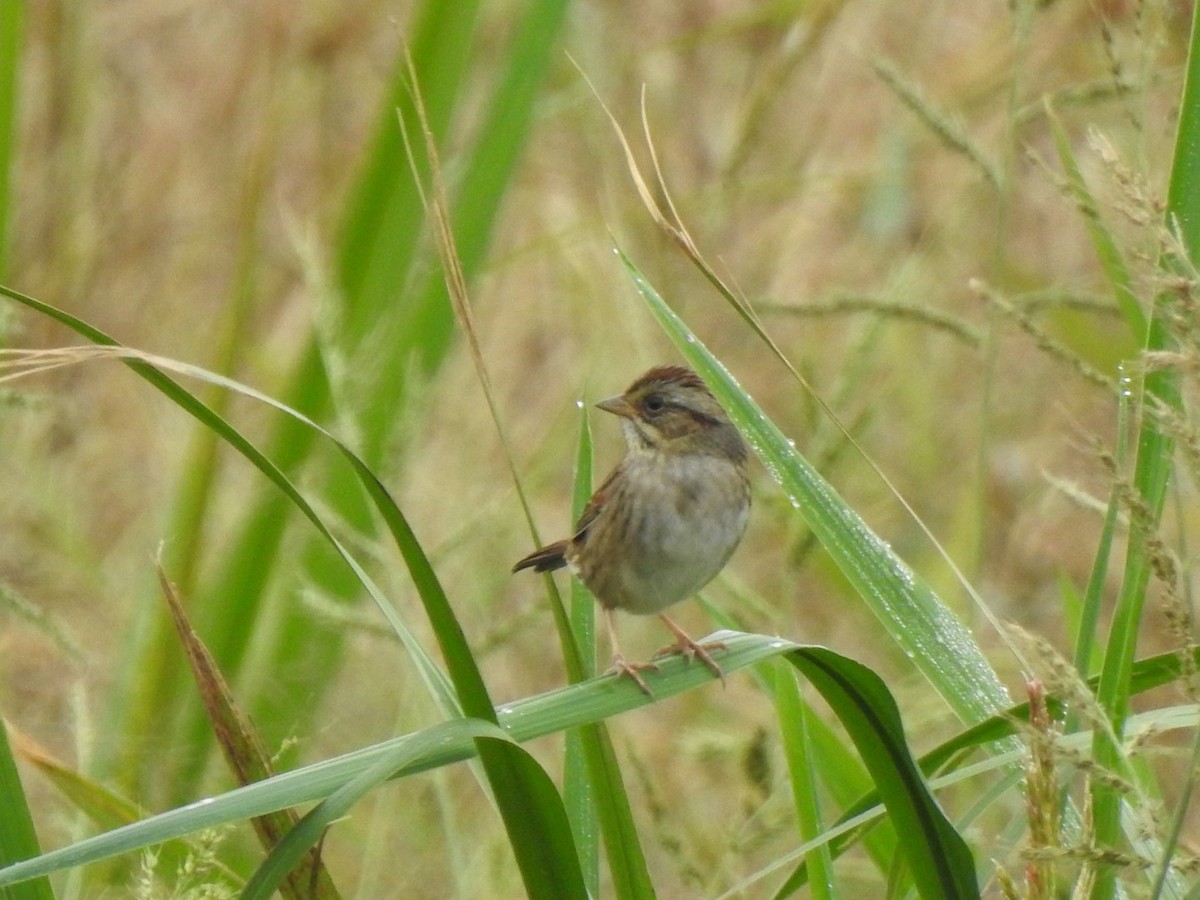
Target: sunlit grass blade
17	838
925	629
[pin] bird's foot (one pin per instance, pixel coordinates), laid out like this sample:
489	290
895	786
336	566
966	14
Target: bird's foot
690	649
621	667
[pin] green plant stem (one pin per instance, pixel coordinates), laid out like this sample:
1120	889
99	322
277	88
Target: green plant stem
1155	450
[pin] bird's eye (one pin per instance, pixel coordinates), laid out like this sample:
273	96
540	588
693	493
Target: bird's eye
655	403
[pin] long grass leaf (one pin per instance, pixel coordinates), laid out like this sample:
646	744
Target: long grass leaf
380	238
1155	450
309	831
572	706
434	678
939	860
793	717
579	795
568	707
525	720
532	824
17	838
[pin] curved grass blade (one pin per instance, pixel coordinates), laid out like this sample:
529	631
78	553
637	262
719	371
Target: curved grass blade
1148	674
939	644
388	307
378	240
568	707
939	860
308	832
434	678
549	713
532	827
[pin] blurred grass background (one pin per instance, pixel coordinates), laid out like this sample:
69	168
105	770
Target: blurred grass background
227	187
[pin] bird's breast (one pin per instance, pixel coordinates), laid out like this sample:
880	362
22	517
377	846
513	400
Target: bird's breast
670	530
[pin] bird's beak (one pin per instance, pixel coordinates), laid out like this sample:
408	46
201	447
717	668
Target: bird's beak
618	406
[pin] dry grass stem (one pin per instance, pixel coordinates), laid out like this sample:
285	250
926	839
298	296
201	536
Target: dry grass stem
1045	342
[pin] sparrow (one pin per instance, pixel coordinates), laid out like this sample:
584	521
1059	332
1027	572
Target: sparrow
667	518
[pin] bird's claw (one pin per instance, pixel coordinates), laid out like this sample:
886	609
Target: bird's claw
621	667
690	650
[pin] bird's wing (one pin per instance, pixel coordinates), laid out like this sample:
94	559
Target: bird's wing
594	507
554	556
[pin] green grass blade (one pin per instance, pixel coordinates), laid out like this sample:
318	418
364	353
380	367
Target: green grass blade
307	833
842	774
434	678
535	717
793	717
578	794
572	706
568	707
537	825
410	329
1155	451
532	824
1085	637
1148	674
494	157
597	802
381	239
374	251
939	860
925	629
380	235
583	606
17	838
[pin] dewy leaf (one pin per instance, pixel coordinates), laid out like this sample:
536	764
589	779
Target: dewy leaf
924	628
